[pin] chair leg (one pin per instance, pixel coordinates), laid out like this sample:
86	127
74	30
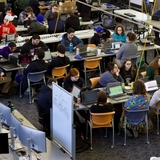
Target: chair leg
30	94
20	91
146	129
105	135
158	121
125	132
113	132
86	130
91	136
85	74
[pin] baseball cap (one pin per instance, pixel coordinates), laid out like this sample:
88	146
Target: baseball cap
99	30
9	17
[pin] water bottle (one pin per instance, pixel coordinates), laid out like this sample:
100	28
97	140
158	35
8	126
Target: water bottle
11	106
77	51
71	48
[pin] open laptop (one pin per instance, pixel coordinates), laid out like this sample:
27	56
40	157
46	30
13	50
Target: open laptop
10	38
116	45
157	78
83	51
106	46
75	91
47	56
12	62
151	86
24	59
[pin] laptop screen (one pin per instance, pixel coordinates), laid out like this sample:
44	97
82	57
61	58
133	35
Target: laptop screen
115	90
24	58
151	85
116	45
13	60
75	91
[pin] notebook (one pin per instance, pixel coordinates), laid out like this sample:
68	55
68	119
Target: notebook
75	91
12	62
24	59
151	86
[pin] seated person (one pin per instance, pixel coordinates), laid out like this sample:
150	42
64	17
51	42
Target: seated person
69	37
26	15
5	83
138	101
60	60
111	75
73	77
99	37
155	99
128	72
127	50
49	14
55	22
32	44
119	33
153	68
72	21
7	27
35	66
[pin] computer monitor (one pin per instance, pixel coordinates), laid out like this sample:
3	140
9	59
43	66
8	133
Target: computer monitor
5	114
4	145
37	138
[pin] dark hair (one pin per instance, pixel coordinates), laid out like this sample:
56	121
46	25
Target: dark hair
7	9
70	30
110	66
72	72
11	44
61	48
56	5
35	36
123	29
139	87
50	80
39	52
102	98
70	13
131	36
28	9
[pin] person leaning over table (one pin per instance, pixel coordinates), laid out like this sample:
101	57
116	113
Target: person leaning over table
69	37
153	68
33	43
111	75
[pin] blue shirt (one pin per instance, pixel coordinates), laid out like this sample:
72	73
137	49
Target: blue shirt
119	37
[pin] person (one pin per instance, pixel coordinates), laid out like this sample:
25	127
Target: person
138	101
128	72
153	68
26	15
49	14
111	75
55	25
99	37
155	99
35	66
32	44
5	82
119	33
60	60
73	77
69	37
128	50
72	21
7	27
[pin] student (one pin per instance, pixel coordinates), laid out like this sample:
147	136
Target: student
32	44
155	99
34	66
7	27
119	33
153	68
99	37
138	101
127	50
111	75
127	71
73	77
60	60
69	37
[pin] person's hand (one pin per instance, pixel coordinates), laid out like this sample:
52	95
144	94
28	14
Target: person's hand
108	101
79	14
2	74
116	51
74	47
32	53
118	72
29	15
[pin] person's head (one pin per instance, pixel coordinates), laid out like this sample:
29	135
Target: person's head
112	67
28	10
131	37
8	9
39	53
8	18
35	39
73	74
49	82
99	31
54	8
127	64
155	64
61	49
139	87
120	30
70	33
69	14
102	98
12	46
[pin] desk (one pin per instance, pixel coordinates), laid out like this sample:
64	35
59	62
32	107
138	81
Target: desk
21	28
153	23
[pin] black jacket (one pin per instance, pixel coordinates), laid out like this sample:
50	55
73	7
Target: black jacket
28	47
45	102
58	62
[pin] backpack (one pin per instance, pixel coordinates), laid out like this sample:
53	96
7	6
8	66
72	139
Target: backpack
108	23
21	4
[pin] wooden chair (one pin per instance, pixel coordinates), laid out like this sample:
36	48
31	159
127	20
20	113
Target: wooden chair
101	120
94	81
91	65
143	74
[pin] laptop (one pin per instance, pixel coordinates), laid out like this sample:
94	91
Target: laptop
47	56
106	46
89	97
75	91
82	49
130	14
24	59
10	38
151	86
157	78
116	45
147	42
116	93
12	62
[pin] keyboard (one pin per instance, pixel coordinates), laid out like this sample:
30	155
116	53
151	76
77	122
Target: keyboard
121	98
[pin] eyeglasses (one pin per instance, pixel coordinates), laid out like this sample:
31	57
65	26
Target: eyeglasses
76	77
55	8
119	30
128	63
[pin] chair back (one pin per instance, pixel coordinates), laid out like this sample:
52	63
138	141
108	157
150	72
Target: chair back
92	63
59	72
145	79
94	81
143	74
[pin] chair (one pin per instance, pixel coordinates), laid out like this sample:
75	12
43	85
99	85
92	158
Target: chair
136	116
94	81
145	79
60	72
33	79
100	120
157	114
134	59
143	74
91	65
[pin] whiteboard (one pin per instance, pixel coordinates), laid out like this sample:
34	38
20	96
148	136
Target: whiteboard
62	114
137	2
